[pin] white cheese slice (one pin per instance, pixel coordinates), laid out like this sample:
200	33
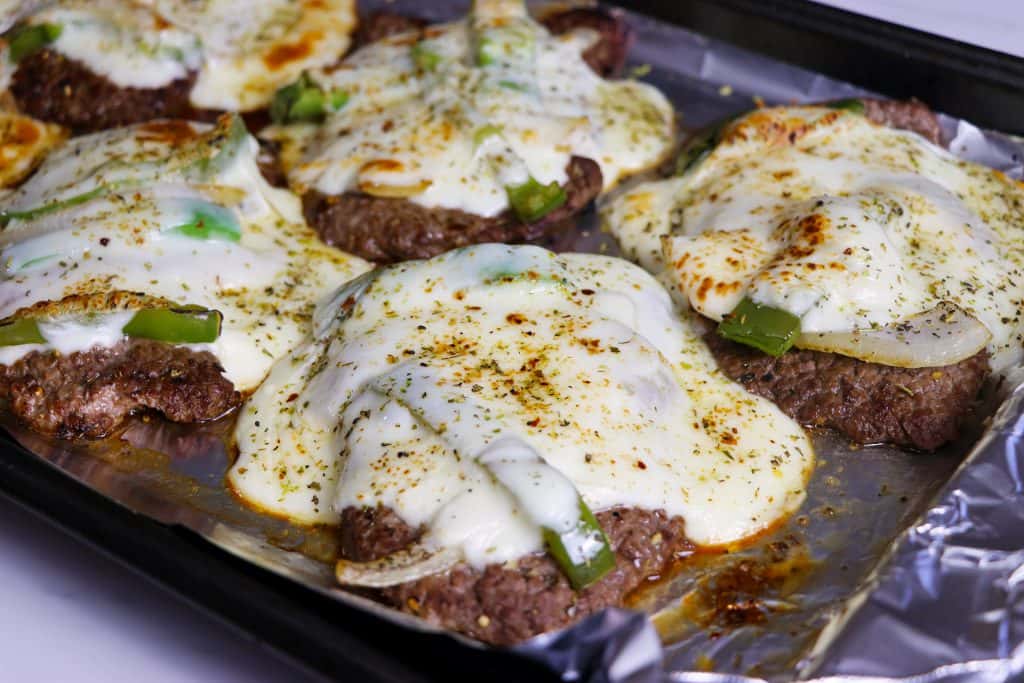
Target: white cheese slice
423	368
239	52
122	194
427	121
849	225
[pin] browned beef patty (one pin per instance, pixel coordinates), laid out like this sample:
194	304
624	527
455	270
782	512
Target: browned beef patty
371	533
386	230
508	603
605	57
51	87
89	394
383	24
920	408
269	163
911	115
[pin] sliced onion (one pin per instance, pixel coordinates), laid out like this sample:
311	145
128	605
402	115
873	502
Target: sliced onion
393	191
411	564
941	336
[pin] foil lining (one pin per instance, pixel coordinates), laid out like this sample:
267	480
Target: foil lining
897	565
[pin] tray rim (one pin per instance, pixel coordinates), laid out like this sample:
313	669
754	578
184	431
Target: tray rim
340	641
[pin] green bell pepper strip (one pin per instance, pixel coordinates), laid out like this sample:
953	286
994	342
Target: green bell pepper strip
581	568
305	101
18	331
531	201
701	145
8	215
209	222
513	85
308	106
768	329
227	141
28	39
175	325
424	58
486	52
339	98
483	132
286	97
852	104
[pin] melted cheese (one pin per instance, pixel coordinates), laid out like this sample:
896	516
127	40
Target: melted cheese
240	52
844	223
418	371
114	245
425	121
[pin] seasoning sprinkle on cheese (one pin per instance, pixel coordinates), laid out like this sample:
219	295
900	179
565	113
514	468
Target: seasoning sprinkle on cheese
239	52
875	239
486	392
171	216
467	116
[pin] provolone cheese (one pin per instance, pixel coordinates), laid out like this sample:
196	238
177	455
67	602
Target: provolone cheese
436	122
844	223
112	204
419	369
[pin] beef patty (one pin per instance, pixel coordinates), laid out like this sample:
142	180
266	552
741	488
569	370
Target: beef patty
911	115
383	24
51	87
606	56
507	603
920	408
386	230
88	394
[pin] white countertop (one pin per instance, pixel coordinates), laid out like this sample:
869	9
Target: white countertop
995	24
70	614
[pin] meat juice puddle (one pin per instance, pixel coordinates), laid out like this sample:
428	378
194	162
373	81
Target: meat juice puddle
783	588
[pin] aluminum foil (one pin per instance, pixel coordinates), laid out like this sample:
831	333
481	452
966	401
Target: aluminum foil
896	565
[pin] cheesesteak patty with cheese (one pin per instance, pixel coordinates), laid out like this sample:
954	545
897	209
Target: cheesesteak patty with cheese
493	128
97	64
892	268
511	440
151	268
606	55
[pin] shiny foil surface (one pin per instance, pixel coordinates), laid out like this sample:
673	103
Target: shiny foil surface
897	565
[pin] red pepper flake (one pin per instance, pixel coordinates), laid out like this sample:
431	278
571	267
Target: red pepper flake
641	464
292	398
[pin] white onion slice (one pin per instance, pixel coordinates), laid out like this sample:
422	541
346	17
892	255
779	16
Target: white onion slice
410	564
941	336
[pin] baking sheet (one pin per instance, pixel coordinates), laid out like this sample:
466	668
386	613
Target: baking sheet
803	601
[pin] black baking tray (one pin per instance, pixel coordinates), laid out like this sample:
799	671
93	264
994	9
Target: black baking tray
344	643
